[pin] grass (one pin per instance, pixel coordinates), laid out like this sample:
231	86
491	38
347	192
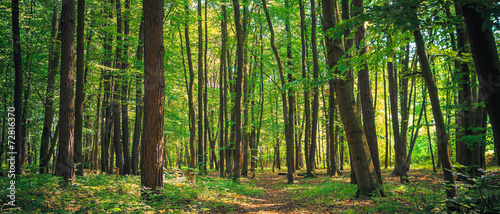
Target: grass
121	194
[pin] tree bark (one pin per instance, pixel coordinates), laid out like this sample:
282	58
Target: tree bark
360	154
64	164
138	104
80	94
192	116
18	84
201	150
485	55
442	136
238	89
124	97
154	98
222	88
49	97
365	92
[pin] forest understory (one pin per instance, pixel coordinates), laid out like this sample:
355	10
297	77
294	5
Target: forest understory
267	192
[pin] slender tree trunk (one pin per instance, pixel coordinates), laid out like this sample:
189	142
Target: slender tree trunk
442	137
201	150
18	84
222	88
154	98
138	104
80	95
315	103
288	134
192	116
307	118
238	89
49	99
365	92
124	97
64	164
117	137
360	154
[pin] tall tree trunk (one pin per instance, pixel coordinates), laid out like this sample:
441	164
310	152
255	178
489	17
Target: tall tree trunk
80	95
288	134
398	144
49	98
485	55
117	137
124	96
291	99
222	88
360	154
138	104
106	104
201	150
192	116
64	164
18	84
387	142
238	89
442	136
365	92
307	119
315	103
154	97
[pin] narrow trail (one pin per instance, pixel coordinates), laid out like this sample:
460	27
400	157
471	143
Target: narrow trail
276	197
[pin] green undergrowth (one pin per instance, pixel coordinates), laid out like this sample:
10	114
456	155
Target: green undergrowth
122	194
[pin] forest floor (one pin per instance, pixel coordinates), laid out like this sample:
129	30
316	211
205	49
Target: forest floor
267	192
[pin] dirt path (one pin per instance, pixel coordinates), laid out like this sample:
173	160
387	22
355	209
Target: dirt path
275	198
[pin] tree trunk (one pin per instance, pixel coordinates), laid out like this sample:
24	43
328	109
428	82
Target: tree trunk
64	164
18	83
201	150
288	134
222	88
315	103
307	113
291	99
442	137
192	116
485	55
238	89
124	98
154	98
138	104
49	99
360	154
80	95
365	92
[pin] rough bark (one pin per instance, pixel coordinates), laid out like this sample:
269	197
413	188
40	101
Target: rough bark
360	154
485	55
201	149
192	116
154	97
238	89
64	164
80	95
138	104
365	92
49	95
124	97
222	88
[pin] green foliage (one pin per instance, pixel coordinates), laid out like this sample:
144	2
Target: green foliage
475	195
